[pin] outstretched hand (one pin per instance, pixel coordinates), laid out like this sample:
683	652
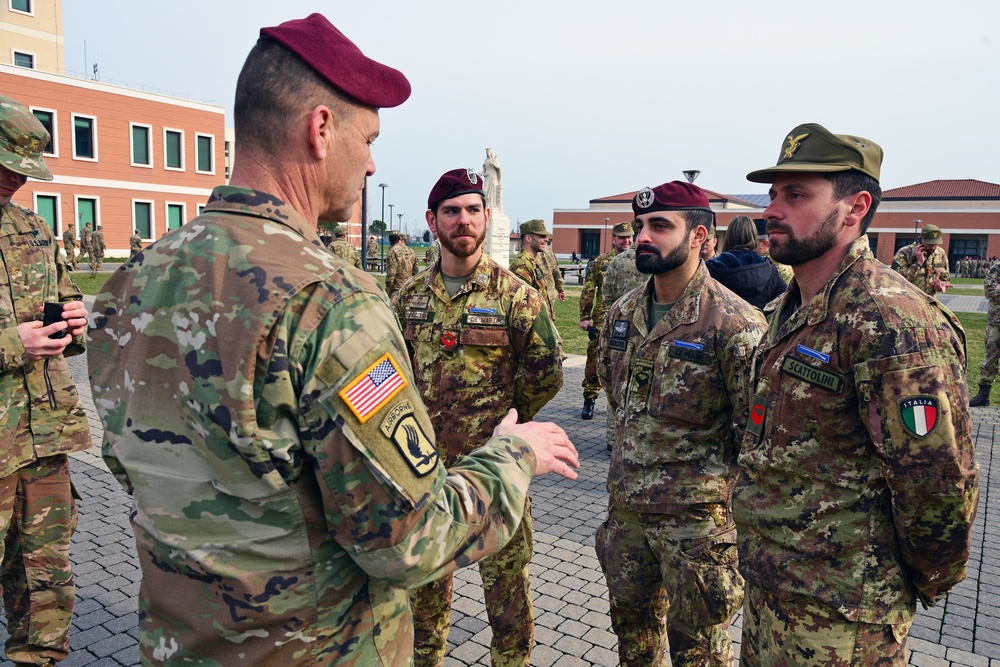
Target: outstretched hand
552	447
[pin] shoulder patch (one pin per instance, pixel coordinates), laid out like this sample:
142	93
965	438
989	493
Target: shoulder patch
919	414
417	449
373	388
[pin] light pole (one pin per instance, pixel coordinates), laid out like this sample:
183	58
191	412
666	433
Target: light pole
399	216
916	234
691	174
390	212
382	244
604	240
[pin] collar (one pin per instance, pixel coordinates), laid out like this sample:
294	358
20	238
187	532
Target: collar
479	279
686	309
244	201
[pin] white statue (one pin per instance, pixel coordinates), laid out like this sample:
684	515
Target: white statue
491	179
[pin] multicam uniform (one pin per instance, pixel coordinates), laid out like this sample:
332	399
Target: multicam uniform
922	275
527	268
858	485
97	249
401	265
346	252
991	358
476	355
85	240
69	245
680	395
292	491
621	277
134	245
37	511
592	307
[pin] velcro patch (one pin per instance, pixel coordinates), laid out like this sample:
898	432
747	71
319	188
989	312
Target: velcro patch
758	411
618	340
419	315
420	302
485	320
688	354
919	414
812	375
373	388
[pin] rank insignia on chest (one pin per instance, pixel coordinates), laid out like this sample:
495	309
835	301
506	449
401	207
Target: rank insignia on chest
758	411
920	414
482	279
449	341
641	378
539	276
419	302
618	340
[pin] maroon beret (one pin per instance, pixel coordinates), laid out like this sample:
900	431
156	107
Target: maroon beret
339	61
454	183
673	196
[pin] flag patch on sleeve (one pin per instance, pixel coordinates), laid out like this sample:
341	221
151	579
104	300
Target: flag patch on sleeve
373	388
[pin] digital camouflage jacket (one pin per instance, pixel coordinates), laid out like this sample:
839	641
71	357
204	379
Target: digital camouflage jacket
922	275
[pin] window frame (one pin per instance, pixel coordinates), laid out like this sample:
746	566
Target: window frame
211	138
152	218
131	145
58	226
18	52
76	212
30	12
93	132
166	214
52	131
166	132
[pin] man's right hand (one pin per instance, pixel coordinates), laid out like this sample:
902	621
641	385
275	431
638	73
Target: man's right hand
36	341
552	447
584	324
920	252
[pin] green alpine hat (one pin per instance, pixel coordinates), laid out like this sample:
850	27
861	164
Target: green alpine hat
22	140
623	229
535	226
811	148
931	235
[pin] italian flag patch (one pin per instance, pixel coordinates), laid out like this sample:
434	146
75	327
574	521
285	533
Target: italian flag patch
919	414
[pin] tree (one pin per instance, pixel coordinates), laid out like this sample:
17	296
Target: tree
377	227
427	236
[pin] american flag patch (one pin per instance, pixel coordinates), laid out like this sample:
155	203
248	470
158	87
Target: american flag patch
374	388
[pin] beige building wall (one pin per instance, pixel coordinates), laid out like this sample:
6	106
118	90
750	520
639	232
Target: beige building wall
35	34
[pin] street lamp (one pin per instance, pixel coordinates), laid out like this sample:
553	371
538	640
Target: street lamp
382	245
399	216
604	241
691	174
916	234
390	213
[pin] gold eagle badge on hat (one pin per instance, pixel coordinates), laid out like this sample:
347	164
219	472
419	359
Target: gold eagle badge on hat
793	145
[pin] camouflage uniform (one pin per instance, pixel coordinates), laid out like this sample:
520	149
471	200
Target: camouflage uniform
85	239
37	510
69	245
680	395
134	245
346	252
372	249
476	355
97	248
991	288
784	270
528	269
621	277
592	308
554	282
433	255
858	485
935	266
401	265
258	405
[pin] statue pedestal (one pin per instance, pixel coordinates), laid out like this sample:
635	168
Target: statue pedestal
497	243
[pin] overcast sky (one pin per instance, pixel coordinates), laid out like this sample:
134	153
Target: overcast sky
588	98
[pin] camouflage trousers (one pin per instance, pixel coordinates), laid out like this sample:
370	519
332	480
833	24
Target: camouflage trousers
37	519
673	583
96	260
591	384
797	632
507	593
988	371
71	257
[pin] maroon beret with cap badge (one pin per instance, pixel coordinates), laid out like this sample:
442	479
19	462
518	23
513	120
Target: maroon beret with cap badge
455	183
673	196
339	61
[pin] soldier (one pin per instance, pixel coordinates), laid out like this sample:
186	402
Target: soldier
709	247
69	245
991	357
592	311
400	264
42	416
97	249
341	248
85	239
527	265
286	487
135	244
924	262
555	284
481	342
621	277
372	248
433	253
764	250
858	483
676	362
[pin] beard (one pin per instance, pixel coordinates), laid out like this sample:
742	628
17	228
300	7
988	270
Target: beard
658	263
792	251
462	247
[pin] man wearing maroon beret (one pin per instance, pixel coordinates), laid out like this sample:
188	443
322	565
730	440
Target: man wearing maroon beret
481	342
258	404
675	358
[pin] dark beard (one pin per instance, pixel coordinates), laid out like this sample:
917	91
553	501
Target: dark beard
464	248
792	251
655	265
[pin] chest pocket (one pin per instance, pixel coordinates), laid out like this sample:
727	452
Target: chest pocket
419	332
687	388
487	356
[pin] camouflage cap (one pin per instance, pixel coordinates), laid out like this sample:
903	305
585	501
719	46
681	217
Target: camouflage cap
535	226
623	229
22	140
811	148
931	235
339	231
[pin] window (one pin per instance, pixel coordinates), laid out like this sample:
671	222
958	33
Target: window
205	145
142	218
48	120
23	60
142	145
201	209
86	211
21	6
173	149
84	137
47	206
175	216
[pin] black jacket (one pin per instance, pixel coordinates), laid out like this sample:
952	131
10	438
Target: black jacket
748	274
